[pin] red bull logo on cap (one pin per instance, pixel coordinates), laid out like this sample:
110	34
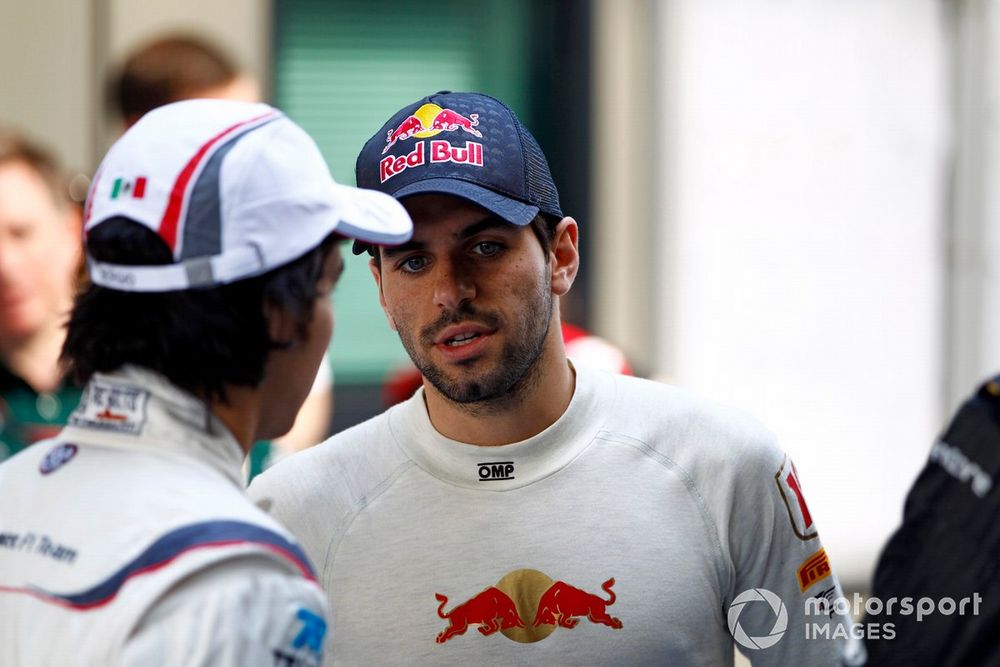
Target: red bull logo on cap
527	606
428	121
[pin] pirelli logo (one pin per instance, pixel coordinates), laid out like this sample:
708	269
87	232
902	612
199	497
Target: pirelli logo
815	568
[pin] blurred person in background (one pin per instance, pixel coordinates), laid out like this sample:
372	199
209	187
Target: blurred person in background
566	514
179	67
174	68
40	254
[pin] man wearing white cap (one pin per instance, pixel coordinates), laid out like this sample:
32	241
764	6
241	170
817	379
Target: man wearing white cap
211	243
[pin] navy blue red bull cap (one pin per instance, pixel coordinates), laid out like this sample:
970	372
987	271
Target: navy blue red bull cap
468	145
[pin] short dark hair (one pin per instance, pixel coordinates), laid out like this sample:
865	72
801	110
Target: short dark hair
199	339
168	70
543	226
16	148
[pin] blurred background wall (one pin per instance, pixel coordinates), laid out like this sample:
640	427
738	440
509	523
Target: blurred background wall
786	206
804	193
55	58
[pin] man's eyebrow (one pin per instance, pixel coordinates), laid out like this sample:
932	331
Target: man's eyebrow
396	250
489	222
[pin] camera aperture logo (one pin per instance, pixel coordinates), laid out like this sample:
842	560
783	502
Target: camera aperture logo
780	619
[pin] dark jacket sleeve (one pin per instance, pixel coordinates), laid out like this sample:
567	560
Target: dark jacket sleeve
947	550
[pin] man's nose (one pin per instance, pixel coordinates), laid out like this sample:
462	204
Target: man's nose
453	286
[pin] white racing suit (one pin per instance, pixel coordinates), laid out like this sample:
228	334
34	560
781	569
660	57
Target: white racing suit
643	527
128	540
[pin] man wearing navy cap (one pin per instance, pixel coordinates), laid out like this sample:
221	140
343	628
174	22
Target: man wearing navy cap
567	515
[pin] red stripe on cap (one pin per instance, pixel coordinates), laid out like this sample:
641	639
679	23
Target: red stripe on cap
171	217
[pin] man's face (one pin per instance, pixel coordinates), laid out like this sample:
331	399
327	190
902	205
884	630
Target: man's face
290	372
470	296
39	253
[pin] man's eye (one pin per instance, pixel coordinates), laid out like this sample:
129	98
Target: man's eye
413	264
487	248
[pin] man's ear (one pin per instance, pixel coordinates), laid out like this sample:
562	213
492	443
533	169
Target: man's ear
565	253
282	326
377	274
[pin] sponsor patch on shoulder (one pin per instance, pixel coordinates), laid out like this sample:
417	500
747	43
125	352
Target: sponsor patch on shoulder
791	493
111	406
306	648
57	457
826	599
312	632
813	569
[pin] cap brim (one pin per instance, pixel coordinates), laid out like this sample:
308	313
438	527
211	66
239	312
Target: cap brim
371	217
513	211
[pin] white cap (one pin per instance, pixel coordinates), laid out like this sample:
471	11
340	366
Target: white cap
235	189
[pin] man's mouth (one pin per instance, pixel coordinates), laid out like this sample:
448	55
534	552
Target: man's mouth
461	339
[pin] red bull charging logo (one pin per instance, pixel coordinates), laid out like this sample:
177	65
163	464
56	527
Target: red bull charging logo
428	121
527	606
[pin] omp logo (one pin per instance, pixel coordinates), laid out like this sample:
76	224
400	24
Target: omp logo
780	619
813	569
491	472
959	466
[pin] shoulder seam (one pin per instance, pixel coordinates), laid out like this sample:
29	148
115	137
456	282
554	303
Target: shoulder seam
686	479
335	540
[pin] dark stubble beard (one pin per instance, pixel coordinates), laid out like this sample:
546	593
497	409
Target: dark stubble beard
515	374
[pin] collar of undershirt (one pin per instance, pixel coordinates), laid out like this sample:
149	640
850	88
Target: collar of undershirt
506	467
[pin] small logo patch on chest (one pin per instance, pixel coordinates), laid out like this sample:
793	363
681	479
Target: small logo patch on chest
495	471
57	458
